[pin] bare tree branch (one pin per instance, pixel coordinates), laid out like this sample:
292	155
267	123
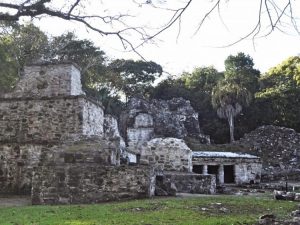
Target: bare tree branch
275	12
207	15
175	17
73	7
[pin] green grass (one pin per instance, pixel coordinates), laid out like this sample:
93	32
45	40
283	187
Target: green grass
215	210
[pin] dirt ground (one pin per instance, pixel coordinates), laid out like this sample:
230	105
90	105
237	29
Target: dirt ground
14	200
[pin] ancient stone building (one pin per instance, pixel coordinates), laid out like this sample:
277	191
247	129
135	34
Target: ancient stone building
167	154
171	159
53	144
228	167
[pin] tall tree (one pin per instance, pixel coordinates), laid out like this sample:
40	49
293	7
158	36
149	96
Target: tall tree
134	77
240	70
236	90
228	99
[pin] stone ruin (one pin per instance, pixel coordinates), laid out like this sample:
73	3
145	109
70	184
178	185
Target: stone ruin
228	167
57	145
279	149
53	144
146	126
145	120
176	118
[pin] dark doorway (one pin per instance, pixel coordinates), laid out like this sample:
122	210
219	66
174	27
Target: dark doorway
212	169
229	174
198	169
138	158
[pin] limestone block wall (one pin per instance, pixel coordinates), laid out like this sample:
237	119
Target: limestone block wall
171	183
169	118
142	129
91	150
167	154
48	80
16	166
17	161
89	183
49	119
93	118
248	172
143	120
111	130
111	126
137	136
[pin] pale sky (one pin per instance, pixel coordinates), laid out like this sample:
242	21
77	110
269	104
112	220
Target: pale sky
190	50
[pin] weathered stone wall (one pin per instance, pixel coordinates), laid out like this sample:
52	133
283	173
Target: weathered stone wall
48	80
93	118
137	136
88	183
17	161
167	154
246	170
91	150
140	131
49	119
175	182
145	120
111	131
111	126
247	173
16	166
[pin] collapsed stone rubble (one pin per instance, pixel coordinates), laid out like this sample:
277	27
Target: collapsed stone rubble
279	149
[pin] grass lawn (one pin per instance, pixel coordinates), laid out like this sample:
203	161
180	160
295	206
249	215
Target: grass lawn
212	210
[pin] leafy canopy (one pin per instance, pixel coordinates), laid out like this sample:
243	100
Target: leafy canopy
134	77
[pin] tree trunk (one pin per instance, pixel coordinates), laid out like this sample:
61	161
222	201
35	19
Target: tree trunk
231	127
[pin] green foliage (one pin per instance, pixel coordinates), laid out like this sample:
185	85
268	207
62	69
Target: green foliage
19	45
84	53
134	77
179	211
229	98
111	102
196	87
225	94
170	88
284	76
9	69
277	101
280	95
236	90
239	69
202	78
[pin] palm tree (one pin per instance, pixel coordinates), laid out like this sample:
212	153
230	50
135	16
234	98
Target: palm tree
229	99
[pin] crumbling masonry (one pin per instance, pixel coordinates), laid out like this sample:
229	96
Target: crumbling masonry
58	146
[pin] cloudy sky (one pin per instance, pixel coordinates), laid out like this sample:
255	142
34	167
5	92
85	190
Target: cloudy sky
182	51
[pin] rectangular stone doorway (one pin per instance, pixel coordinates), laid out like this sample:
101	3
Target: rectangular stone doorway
212	169
229	174
198	169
